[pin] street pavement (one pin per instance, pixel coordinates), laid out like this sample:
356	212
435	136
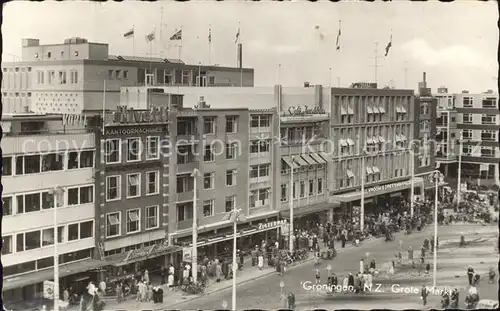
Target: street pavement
264	293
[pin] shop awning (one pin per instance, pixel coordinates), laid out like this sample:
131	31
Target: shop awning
350	142
343	111
141	254
398	138
369	170
381	139
290	163
375	109
369	141
309	160
350	174
325	156
343	143
381	109
403	109
398	109
48	274
301	161
309	209
375	139
375	170
317	158
369	109
350	111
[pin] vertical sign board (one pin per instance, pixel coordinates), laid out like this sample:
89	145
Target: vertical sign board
187	253
48	289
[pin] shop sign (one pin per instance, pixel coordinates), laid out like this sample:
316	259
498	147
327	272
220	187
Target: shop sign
130	131
74	120
125	115
48	289
388	186
299	111
138	253
272	224
187	253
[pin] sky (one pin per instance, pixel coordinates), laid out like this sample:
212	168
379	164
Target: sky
286	43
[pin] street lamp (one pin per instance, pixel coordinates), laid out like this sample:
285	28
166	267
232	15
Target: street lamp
459	186
236	215
291	206
437	177
412	168
57	191
194	256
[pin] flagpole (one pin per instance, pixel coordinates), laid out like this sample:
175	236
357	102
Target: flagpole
180	46
161	31
133	40
209	42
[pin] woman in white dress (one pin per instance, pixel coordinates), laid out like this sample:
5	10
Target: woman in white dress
261	261
170	281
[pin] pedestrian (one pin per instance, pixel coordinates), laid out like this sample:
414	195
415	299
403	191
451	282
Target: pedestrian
410	253
170	281
146	276
351	281
218	271
470	274
150	292
163	275
361	266
424	295
318	277
242	258
372	265
119	293
345	284
343	239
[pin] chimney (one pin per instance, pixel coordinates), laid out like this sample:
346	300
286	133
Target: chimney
240	55
425	76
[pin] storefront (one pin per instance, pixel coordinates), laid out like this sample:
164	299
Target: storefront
304	216
428	185
377	199
218	243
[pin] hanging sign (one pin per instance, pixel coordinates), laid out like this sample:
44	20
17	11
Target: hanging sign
48	289
187	254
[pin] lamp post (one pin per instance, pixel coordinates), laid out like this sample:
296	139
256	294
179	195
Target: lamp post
291	207
362	207
437	177
412	168
194	256
236	215
459	181
56	191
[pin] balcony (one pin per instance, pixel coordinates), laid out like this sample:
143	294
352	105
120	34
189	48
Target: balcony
185	224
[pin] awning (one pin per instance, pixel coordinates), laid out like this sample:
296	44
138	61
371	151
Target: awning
381	109
369	170
375	139
375	109
375	170
343	143
317	158
350	111
343	111
381	139
309	209
369	141
325	156
48	274
309	160
288	161
350	142
141	254
300	161
350	174
398	109
369	109
403	109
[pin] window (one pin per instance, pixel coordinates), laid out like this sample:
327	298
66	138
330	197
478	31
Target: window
7	205
231	178
133	150
186	154
73	77
284	192
467	134
424	126
73	194
153	150
39	77
184	211
209	125
311	187
113	151
257	146
113	224
6	244
230	203
488	119
51	74
31	164
47	200
31	202
86	194
231	150
48	237
487	152
125	74
6	166
86	229
261	170
153	186
208	180
110	74
133	185
32	240
259	197
490	102
19	242
117	74
113	189
81	159
468	102
302	189
260	121
320	185
209	155
424	108
467	150
73	232
488	135
152	217
467	118
231	124
208	208
133	221
52	162
62	77
294	189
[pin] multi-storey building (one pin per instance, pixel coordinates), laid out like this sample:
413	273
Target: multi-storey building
426	139
77	75
477	120
377	125
46	164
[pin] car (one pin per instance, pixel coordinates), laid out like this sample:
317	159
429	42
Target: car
487	304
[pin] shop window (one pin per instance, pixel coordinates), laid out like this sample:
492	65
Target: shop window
32	240
7	245
20	268
73	233
6	166
133	185
113	188
152	217
133	221
153	183
87	229
7	206
133	150
113	151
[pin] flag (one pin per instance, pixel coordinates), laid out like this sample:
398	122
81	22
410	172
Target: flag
338	40
150	37
209	35
389	45
177	35
237	36
129	34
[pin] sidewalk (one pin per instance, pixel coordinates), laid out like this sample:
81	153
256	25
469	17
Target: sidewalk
176	296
